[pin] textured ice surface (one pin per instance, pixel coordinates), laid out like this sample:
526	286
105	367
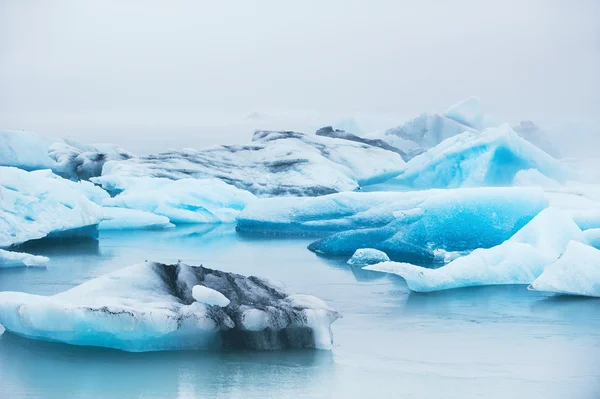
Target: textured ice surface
490	158
151	306
37	204
208	296
368	256
469	112
66	157
9	259
592	237
275	163
328	131
182	201
129	219
450	220
519	260
576	272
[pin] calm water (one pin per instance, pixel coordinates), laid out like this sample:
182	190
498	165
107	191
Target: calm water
494	342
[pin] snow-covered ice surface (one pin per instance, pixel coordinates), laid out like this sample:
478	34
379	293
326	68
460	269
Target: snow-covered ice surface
469	112
390	343
152	306
368	256
182	201
576	272
275	163
34	205
20	259
519	260
66	157
131	219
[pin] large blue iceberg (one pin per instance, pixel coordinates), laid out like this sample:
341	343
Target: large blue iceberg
153	306
519	260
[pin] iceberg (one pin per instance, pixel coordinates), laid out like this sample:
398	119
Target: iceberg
592	237
153	306
65	157
472	159
469	112
368	256
130	219
9	259
274	164
181	201
519	260
34	206
576	272
328	131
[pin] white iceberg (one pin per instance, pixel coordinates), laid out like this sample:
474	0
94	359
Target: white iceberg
66	157
152	306
34	205
182	201
576	272
130	219
9	259
472	159
368	256
519	260
275	163
469	112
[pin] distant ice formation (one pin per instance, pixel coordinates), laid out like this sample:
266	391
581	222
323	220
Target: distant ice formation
10	259
368	256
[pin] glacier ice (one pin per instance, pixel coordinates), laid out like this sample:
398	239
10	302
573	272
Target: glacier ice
130	219
469	112
576	272
66	157
208	296
34	206
182	201
9	259
152	306
368	256
328	131
592	237
449	220
275	163
490	158
519	260
532	133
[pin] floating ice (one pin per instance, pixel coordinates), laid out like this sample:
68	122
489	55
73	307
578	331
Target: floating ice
151	306
368	256
275	163
490	158
66	157
576	272
519	260
34	205
469	112
9	259
129	219
182	201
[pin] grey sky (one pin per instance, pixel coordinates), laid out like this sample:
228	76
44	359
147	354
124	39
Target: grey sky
104	70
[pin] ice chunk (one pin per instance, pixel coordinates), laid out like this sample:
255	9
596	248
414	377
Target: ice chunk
532	133
592	237
328	131
129	219
34	205
368	256
275	163
152	306
469	112
66	157
208	296
533	178
519	260
451	220
182	201
490	158
10	259
576	272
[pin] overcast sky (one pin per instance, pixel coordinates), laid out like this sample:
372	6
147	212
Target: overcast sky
108	69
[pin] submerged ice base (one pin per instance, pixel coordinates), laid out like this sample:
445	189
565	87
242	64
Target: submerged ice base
153	306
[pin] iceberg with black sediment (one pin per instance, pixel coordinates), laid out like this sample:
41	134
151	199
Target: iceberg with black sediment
576	272
368	256
37	204
10	259
154	306
182	201
519	260
275	163
65	157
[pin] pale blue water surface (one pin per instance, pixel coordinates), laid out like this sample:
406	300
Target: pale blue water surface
490	342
